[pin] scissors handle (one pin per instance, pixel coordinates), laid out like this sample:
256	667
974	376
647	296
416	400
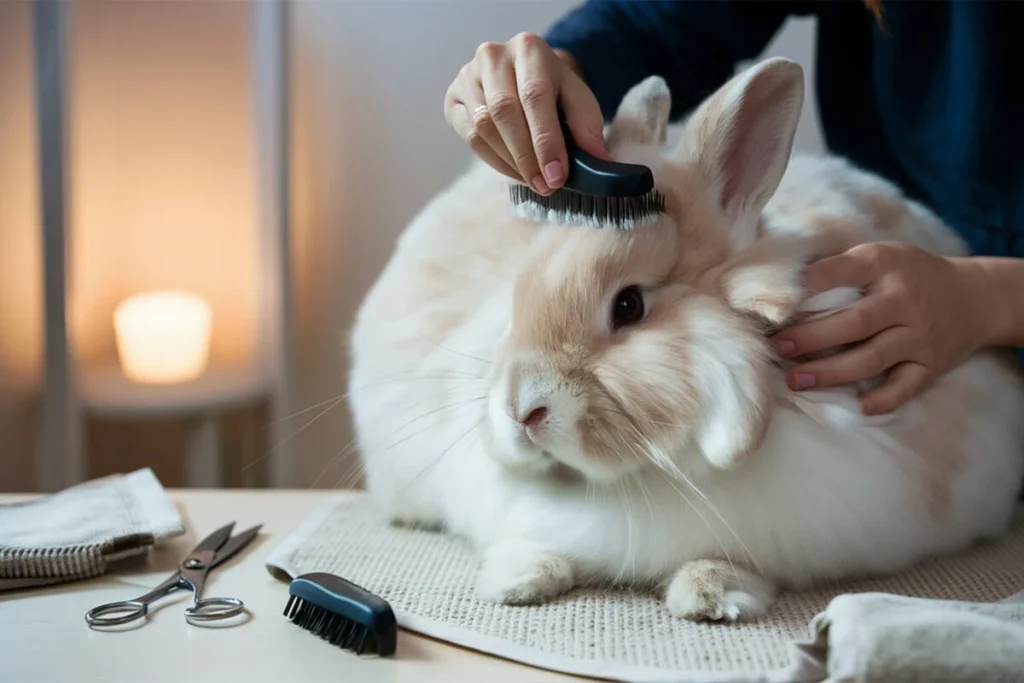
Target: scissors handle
213	609
116	613
123	611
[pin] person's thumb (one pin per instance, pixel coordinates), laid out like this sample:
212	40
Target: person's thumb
583	117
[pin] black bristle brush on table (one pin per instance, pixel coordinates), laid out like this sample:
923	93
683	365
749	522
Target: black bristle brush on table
342	613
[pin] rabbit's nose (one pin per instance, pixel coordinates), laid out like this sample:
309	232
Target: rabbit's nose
536	417
532	421
530	414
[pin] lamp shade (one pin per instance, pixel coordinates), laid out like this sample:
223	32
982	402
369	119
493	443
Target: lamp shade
163	337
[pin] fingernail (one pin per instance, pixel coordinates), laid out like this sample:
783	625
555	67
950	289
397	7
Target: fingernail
784	347
553	174
540	186
802	380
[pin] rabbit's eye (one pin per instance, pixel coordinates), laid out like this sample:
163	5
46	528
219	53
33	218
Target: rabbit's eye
628	307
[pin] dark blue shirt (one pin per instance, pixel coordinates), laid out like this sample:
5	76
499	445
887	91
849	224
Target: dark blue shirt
933	99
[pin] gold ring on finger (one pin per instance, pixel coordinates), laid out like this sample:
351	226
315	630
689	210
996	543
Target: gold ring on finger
480	112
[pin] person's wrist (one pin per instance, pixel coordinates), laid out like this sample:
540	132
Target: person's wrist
987	310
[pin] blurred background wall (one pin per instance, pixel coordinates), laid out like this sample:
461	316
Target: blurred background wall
164	189
20	253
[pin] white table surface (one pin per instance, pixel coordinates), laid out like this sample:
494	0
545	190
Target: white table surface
44	637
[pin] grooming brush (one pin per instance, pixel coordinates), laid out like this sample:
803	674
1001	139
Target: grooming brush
596	193
342	613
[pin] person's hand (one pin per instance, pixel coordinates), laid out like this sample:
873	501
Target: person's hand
504	103
921	315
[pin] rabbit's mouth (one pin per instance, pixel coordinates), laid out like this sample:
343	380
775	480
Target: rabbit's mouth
543	465
564	474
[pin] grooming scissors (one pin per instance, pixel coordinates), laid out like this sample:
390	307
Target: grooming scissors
213	551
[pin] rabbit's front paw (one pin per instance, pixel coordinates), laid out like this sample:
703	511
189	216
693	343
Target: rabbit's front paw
522	573
712	590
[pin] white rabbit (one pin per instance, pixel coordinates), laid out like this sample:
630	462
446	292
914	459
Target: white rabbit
591	406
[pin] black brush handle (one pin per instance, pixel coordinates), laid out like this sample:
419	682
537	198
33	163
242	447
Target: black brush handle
344	598
590	175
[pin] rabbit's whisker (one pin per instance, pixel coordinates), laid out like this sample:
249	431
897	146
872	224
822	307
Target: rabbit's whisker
358	467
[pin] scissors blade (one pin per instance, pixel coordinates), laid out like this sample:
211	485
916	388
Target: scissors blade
216	539
234	545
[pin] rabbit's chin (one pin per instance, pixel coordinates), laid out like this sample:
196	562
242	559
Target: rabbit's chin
520	457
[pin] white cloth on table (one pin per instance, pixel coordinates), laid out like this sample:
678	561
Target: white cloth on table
76	533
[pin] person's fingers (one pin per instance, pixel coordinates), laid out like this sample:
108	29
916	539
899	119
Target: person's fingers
465	98
536	82
484	127
459	118
864	319
582	114
904	382
467	114
863	361
483	124
850	269
498	77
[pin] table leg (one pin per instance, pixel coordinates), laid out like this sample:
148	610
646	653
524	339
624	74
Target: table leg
203	467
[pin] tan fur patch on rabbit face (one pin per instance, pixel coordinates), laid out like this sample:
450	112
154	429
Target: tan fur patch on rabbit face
605	400
693	373
561	328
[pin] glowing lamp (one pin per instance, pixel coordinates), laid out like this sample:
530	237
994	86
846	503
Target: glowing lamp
163	337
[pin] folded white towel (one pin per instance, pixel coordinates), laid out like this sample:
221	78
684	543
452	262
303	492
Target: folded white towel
883	638
74	534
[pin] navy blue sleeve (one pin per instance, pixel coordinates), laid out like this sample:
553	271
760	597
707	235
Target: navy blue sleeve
694	45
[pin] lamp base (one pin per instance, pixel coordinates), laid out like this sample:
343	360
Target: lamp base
105	390
205	433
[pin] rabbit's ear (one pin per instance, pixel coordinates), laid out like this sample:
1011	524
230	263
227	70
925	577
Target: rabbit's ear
741	138
765	280
642	117
734	385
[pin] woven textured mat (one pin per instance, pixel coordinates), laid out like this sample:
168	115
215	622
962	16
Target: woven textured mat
429	580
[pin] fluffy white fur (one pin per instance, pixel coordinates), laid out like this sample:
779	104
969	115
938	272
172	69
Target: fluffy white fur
671	454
